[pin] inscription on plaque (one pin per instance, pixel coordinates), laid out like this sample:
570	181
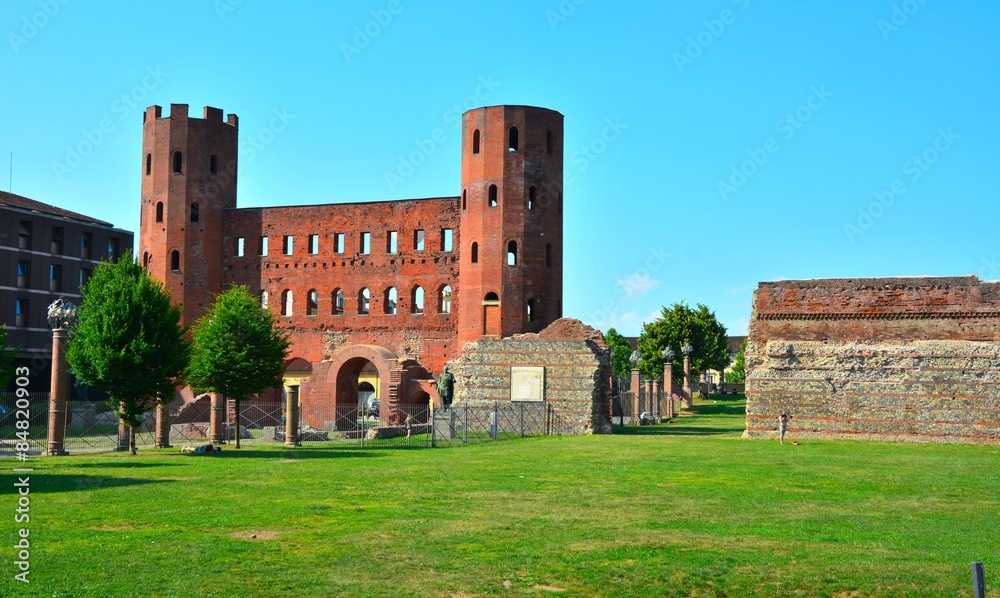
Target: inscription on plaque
527	384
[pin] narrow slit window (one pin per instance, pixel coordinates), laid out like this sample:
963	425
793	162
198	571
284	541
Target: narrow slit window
149	164
195	213
446	299
175	260
475	253
532	197
391	297
418	300
337	302
512	253
475	141
178	162
447	239
159	211
338	243
463	198
263	246
213	165
240	246
364	301
513	140
263	298
391	242
493	196
418	240
287	303
531	310
289	244
312	303
313	244
366	243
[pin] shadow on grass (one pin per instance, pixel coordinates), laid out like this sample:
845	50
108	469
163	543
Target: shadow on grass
675	430
278	454
49	483
125	463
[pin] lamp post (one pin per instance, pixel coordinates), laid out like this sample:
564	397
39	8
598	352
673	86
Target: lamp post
668	376
62	317
686	350
634	359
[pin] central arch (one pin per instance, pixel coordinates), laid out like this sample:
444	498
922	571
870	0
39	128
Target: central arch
346	368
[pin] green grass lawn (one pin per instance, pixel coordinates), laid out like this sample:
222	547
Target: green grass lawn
681	509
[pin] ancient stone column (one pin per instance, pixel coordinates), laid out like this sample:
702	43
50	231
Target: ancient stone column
292	415
218	415
647	403
162	425
654	401
57	396
668	389
635	393
687	382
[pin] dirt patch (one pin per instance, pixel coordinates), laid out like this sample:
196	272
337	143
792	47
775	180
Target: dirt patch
264	534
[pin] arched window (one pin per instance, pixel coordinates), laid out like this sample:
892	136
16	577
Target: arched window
149	164
264	298
475	253
548	143
445	307
390	301
145	259
532	194
195	212
475	141
463	199
178	162
491	298
512	253
175	260
548	255
531	310
513	139
493	196
364	301
418	300
312	303
287	303
213	165
159	211
337	301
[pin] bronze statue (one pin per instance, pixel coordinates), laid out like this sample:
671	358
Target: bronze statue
446	387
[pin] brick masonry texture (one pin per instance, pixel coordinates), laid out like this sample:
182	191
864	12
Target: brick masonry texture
497	248
577	372
911	359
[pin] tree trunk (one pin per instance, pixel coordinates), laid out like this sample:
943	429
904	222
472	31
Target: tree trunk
237	401
131	440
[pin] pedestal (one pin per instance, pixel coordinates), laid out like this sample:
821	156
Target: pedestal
292	416
216	418
57	396
162	426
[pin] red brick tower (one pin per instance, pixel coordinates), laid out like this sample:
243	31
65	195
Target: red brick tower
188	179
510	280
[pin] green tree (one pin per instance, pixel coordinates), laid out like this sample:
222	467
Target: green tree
677	326
237	352
6	359
128	340
738	373
621	351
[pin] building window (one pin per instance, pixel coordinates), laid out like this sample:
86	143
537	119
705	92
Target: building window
149	164
364	301
175	260
418	240
463	198
145	259
447	239
264	298
475	141
491	298
313	244
338	243
475	253
289	242
512	253
445	299
85	275
287	303
24	235
391	244
86	243
548	255
366	243
548	143
531	310
23	274
57	241
213	165
512	146
263	246
21	312
391	297
240	246
312	303
178	162
337	299
159	211
418	300
493	196
531	197
114	248
55	278
195	212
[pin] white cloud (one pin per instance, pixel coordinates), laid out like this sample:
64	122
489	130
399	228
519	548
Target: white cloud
636	285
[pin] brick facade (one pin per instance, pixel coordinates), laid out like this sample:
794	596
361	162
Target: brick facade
439	272
890	359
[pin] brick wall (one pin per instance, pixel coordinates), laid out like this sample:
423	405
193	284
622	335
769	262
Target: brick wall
914	359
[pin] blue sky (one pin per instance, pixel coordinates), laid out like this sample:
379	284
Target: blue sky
709	145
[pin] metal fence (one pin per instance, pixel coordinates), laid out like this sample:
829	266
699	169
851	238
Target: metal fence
38	422
467	423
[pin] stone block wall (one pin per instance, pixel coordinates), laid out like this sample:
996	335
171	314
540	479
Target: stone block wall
913	359
577	372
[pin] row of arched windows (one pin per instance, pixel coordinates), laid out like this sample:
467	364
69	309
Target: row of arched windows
338	301
178	164
493	200
511	253
195	212
514	141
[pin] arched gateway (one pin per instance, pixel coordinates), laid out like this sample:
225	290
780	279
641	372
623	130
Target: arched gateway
332	392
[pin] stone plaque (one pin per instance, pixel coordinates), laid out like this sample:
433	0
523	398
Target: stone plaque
527	384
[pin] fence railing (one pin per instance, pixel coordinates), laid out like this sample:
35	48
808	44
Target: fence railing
470	423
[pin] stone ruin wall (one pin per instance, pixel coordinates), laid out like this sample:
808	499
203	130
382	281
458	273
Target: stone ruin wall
911	359
577	372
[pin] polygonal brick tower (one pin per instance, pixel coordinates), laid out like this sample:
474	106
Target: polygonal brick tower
189	178
510	279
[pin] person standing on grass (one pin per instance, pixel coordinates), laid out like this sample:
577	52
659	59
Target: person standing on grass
782	426
409	426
